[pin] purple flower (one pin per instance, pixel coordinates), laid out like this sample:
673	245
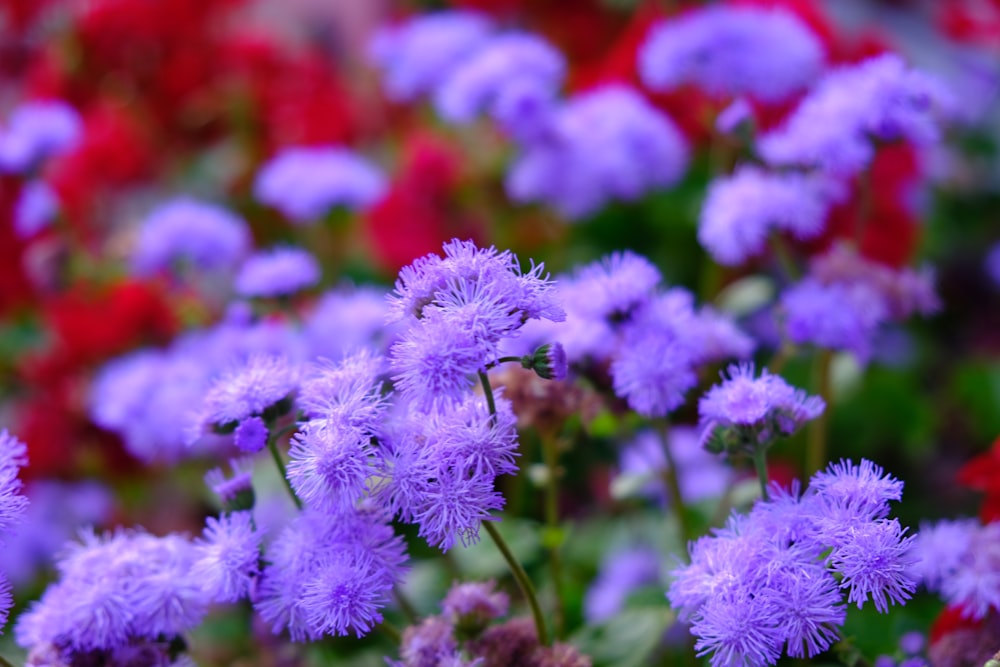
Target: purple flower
701	475
184	230
307	183
836	316
416	56
36	207
515	76
36	131
13	457
258	386
603	145
622	572
834	126
864	490
330	463
738	631
251	435
474	603
227	556
330	575
277	272
961	561
345	319
750	412
728	51
741	210
612	288
230	490
875	560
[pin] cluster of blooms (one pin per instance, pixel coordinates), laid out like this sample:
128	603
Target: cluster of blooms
958	559
774	580
12	503
464	635
129	592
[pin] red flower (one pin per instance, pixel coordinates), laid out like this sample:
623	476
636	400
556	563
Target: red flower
983	474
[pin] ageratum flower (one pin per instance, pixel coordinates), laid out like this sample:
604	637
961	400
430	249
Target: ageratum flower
767	53
226	559
773	582
417	55
603	145
261	386
622	572
307	183
184	230
35	209
834	127
236	491
13	456
961	560
277	272
743	209
36	131
514	76
836	316
746	413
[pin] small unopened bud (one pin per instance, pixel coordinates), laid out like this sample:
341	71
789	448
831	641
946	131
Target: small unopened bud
549	361
236	492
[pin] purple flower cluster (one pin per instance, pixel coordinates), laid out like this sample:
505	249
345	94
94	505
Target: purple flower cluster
456	310
277	272
961	561
622	572
13	456
206	236
128	587
36	131
742	209
845	300
774	581
307	183
602	145
745	414
767	53
834	127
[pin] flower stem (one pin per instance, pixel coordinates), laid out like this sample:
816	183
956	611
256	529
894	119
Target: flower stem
550	455
760	465
272	444
522	581
527	589
406	606
673	484
816	434
390	631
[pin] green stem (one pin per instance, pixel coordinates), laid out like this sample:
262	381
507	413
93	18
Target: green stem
272	444
673	484
784	352
527	589
4	663
784	257
760	465
522	581
816	433
550	454
390	631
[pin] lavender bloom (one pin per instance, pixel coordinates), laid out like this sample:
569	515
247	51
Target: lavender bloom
236	491
958	559
622	572
417	55
765	582
514	76
13	456
457	309
745	413
207	236
330	575
226	557
614	287
472	605
728	51
116	589
741	210
306	183
833	127
834	316
602	145
278	272
254	388
251	435
36	207
36	131
429	644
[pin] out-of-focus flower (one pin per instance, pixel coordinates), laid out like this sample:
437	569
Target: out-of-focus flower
36	131
767	53
603	145
417	55
834	316
307	183
277	272
36	208
622	572
184	230
961	560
